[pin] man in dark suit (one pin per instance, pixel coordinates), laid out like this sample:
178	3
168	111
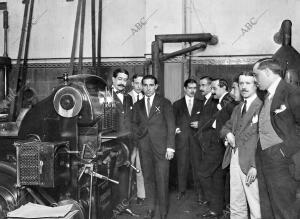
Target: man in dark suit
154	127
241	134
279	141
124	105
211	172
186	112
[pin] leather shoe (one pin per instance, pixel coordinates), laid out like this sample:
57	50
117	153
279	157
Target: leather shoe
210	214
149	214
180	195
139	201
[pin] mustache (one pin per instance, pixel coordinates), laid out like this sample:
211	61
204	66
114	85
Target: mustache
121	85
244	90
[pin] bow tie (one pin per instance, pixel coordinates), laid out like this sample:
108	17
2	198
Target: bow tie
120	92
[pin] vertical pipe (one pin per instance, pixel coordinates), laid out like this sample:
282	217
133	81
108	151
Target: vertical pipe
286	29
14	86
81	36
155	59
190	63
23	74
99	35
75	33
93	33
5	82
161	72
5	27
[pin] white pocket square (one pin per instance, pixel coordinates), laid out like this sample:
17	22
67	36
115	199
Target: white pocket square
198	112
281	109
254	119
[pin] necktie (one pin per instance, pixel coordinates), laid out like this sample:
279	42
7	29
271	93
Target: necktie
120	91
148	106
205	100
138	97
267	96
244	108
190	106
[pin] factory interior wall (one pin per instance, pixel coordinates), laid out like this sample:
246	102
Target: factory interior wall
244	28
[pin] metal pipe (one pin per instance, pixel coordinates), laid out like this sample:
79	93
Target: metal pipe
23	74
197	37
183	51
14	86
75	33
93	33
81	36
5	27
190	63
155	59
99	34
284	35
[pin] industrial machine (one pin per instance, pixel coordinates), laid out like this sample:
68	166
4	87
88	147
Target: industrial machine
67	151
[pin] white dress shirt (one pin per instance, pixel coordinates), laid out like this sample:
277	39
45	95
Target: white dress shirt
249	101
273	87
119	95
189	100
207	96
136	95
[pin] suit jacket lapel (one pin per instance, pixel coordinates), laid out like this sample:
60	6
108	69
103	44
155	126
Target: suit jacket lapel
143	107
184	107
249	115
118	102
195	107
155	106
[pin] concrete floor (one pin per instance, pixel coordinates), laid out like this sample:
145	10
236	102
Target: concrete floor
187	208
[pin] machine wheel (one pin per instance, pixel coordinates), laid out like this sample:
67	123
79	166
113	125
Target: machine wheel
9	197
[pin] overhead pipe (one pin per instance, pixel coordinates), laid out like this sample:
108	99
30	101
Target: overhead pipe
180	38
201	46
157	50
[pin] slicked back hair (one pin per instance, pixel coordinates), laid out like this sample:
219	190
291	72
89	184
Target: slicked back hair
189	81
150	77
222	83
120	70
207	78
136	76
272	64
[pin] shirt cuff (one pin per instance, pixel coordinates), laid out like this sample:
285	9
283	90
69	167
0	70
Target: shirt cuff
170	149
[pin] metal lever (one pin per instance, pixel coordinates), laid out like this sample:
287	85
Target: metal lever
92	173
129	164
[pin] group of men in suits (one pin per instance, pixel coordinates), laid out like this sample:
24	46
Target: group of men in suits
254	138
